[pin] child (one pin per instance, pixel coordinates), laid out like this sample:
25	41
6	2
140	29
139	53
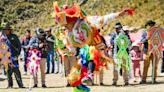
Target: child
135	54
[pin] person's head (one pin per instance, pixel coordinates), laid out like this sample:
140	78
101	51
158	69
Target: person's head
7	29
150	23
136	48
27	33
40	33
63	29
48	31
118	27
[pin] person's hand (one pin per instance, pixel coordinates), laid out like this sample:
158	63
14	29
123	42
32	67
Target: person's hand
41	45
11	65
27	47
126	10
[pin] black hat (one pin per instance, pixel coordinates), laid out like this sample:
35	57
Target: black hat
7	26
118	25
149	23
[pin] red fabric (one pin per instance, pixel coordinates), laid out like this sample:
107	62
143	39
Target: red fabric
82	75
96	60
71	11
130	11
57	9
71	20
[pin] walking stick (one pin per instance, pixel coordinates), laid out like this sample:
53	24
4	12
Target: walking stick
30	88
154	60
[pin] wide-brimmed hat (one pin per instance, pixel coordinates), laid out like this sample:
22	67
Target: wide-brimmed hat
149	22
7	26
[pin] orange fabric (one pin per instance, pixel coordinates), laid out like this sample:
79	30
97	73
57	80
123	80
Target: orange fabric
151	31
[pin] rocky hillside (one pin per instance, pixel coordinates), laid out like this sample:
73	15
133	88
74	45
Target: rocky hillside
37	13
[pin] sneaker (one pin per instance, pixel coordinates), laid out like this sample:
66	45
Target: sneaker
126	84
22	87
47	72
143	82
44	86
114	83
52	72
139	79
56	72
102	84
35	86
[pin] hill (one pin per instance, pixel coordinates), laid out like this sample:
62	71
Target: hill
30	14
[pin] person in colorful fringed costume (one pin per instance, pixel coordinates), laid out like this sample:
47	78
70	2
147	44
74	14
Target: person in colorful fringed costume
121	56
59	47
67	51
5	53
155	40
15	46
83	29
117	53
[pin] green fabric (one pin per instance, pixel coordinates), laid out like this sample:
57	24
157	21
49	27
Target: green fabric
58	43
75	89
122	42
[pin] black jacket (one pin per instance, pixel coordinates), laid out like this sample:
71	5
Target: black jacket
15	44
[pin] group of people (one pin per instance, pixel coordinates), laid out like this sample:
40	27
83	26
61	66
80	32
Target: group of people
55	47
139	50
42	41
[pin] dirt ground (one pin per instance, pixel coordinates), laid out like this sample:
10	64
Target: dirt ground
56	83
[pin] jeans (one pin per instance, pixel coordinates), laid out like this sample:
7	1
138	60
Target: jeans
50	58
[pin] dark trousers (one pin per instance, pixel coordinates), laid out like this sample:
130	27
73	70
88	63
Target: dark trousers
162	67
91	66
17	74
25	61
